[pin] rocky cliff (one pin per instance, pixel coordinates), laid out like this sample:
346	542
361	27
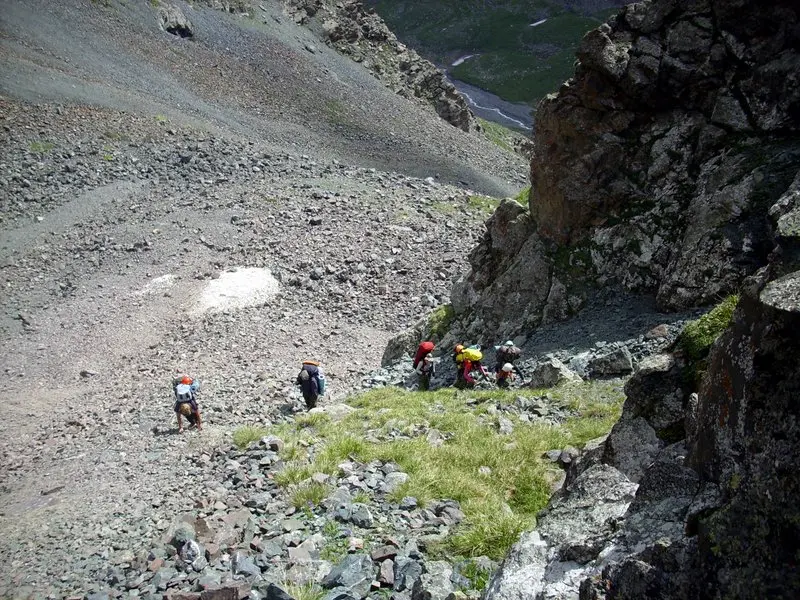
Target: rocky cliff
654	166
359	33
693	493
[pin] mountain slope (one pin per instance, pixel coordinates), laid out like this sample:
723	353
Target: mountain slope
519	50
253	76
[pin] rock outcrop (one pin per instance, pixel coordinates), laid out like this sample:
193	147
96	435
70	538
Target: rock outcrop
361	34
655	166
712	475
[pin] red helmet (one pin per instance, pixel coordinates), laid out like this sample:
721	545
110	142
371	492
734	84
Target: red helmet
186	380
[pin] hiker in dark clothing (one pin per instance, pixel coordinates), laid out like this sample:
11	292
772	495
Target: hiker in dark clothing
425	370
311	382
508	353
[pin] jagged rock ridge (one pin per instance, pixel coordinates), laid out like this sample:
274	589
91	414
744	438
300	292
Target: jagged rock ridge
654	166
358	32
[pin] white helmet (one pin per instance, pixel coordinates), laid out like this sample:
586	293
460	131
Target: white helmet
507	368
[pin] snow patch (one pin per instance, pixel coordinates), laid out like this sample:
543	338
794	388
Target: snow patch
157	284
238	289
462	59
537	23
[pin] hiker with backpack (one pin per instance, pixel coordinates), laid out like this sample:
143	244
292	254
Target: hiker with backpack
506	354
311	381
505	375
185	390
468	361
423	350
425	370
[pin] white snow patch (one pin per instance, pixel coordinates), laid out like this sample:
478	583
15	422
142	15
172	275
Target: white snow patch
157	284
537	23
462	59
238	289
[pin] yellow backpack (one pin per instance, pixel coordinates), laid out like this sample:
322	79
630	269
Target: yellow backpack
472	354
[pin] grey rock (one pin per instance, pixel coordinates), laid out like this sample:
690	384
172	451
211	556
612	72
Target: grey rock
551	372
435	583
175	22
407	572
355	574
616	361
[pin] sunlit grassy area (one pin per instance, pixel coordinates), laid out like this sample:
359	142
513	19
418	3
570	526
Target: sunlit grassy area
498	503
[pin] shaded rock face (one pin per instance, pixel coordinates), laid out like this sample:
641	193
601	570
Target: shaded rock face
655	166
359	33
748	444
713	475
665	151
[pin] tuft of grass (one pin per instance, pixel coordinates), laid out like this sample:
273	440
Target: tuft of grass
293	474
41	147
308	591
497	506
698	336
524	196
244	436
161	119
500	136
308	494
478	577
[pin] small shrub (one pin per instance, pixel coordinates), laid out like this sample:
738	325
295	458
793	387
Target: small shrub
440	320
244	436
41	147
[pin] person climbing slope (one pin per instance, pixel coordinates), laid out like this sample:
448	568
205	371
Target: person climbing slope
311	382
423	350
508	353
468	361
425	370
185	391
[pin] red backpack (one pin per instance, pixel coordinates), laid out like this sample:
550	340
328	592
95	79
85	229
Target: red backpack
423	349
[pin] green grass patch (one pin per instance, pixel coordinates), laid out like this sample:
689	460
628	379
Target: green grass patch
439	321
244	436
41	147
524	196
698	336
485	204
500	136
498	505
335	112
514	60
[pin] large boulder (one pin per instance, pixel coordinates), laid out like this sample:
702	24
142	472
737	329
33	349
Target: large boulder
173	21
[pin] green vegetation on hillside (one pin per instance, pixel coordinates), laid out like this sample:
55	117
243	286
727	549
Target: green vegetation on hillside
499	479
698	336
515	61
